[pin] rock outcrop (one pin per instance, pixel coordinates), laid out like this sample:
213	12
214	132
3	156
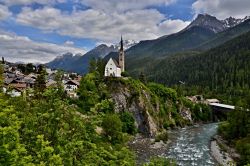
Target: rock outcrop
138	105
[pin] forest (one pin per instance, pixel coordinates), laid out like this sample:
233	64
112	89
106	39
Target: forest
222	72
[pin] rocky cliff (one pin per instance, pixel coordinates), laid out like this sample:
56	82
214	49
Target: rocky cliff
152	112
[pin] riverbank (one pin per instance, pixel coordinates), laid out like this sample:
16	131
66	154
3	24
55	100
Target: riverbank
222	153
145	148
187	146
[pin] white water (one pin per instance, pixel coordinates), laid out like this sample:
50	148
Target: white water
190	146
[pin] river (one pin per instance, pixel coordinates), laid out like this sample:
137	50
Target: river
191	145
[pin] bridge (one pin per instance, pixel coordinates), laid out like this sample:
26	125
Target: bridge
220	110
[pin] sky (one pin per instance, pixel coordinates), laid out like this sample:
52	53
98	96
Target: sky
37	31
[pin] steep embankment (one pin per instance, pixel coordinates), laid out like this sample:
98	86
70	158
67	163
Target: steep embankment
153	106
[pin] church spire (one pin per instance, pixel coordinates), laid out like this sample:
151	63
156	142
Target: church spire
121	49
121	57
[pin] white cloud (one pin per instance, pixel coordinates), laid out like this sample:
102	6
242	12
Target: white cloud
223	8
4	12
27	2
69	43
95	24
20	48
124	5
172	26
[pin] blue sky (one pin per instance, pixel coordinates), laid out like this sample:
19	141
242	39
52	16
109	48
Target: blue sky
40	30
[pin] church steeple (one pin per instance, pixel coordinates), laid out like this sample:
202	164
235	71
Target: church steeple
121	56
121	42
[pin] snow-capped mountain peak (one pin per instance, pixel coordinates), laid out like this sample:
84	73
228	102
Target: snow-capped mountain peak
212	23
126	44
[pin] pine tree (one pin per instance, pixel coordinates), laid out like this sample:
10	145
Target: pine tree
40	84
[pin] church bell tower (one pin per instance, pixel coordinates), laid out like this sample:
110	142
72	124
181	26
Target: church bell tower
121	56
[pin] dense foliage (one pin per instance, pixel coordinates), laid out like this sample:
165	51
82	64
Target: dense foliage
50	132
160	161
237	131
222	72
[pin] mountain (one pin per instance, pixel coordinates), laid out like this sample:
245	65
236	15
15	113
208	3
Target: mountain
215	25
228	34
225	67
208	22
190	41
63	62
204	28
79	63
178	42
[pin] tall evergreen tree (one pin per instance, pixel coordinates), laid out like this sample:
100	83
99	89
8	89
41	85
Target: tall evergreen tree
40	83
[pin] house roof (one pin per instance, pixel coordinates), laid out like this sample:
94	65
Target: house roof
51	83
73	82
19	86
8	80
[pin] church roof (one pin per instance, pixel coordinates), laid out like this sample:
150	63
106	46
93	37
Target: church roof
116	63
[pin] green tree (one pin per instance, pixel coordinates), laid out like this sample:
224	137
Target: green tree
160	161
128	123
92	65
88	92
112	126
40	83
142	78
29	68
1	77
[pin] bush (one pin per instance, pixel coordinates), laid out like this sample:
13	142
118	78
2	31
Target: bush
160	161
162	137
128	123
112	126
125	74
243	147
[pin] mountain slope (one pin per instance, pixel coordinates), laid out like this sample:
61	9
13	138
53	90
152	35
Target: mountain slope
63	62
141	58
79	64
181	41
227	35
210	22
224	67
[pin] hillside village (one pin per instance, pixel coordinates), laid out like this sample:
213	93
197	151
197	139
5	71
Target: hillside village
18	82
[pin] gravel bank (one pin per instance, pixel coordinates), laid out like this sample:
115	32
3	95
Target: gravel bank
222	153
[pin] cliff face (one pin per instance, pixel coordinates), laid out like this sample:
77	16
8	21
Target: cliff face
139	107
148	110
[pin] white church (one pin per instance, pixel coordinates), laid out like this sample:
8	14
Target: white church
113	68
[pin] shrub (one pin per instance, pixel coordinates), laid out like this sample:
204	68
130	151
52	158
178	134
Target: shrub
128	123
112	126
162	137
160	161
125	74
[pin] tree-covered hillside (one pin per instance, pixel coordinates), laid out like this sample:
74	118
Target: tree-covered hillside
224	69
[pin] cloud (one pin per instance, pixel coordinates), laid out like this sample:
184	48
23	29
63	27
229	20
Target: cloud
4	12
69	43
124	5
20	48
27	2
95	24
172	26
223	8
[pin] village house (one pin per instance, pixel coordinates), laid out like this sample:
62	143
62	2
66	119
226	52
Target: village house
71	85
